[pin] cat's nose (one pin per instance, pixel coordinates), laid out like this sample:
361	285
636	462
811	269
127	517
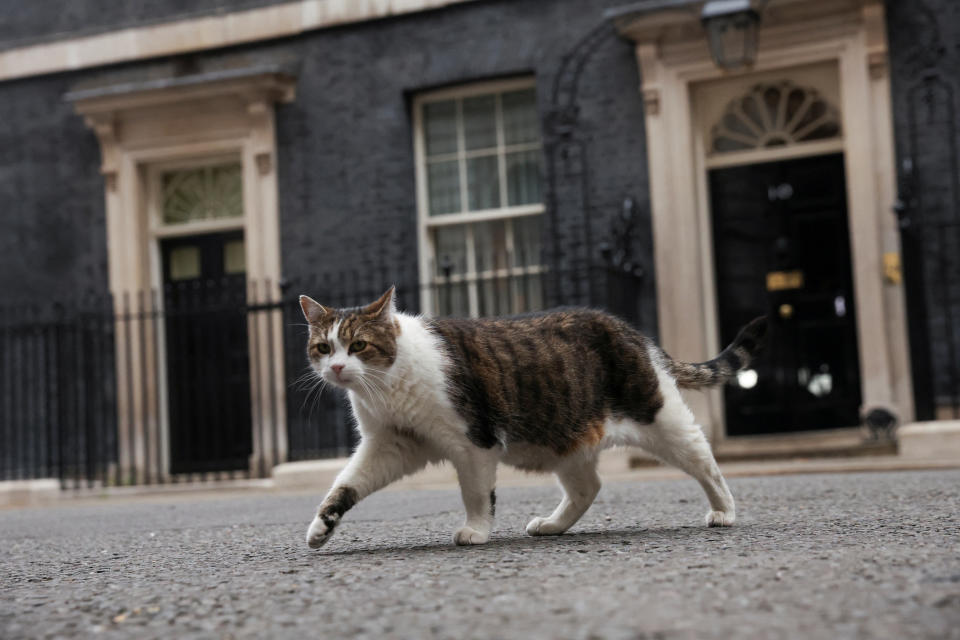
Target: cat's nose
337	368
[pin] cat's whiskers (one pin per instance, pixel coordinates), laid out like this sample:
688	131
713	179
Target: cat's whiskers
376	387
374	392
314	392
306	380
383	377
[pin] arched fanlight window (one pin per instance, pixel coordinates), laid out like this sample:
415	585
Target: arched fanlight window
774	115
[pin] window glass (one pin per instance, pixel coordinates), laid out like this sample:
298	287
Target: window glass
482	155
526	241
520	121
184	263
451	250
469	142
490	242
523	177
205	193
480	122
443	184
483	183
440	124
234	257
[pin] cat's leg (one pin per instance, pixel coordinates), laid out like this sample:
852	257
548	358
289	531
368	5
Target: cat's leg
676	439
477	473
377	462
581	484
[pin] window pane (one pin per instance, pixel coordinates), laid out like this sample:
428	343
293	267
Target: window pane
234	258
520	121
440	124
451	250
494	297
527	292
483	183
523	177
443	184
202	194
451	260
526	241
479	122
452	299
490	245
185	263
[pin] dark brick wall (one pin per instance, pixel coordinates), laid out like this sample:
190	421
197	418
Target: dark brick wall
52	223
924	38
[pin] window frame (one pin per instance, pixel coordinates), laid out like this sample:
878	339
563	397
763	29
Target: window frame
159	229
426	223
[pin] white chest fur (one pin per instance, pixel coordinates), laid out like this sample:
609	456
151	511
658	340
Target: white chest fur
413	393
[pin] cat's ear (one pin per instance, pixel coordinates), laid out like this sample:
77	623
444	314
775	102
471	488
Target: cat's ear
384	307
312	310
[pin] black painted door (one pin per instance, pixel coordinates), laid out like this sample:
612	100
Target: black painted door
782	248
208	364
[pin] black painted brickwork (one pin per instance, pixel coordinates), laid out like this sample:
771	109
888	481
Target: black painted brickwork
52	221
924	40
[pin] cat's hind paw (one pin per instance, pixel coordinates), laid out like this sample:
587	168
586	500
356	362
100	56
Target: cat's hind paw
468	535
720	518
544	527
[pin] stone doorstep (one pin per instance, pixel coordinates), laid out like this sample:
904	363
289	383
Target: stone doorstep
923	440
18	493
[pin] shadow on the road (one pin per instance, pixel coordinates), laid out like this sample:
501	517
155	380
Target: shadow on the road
568	541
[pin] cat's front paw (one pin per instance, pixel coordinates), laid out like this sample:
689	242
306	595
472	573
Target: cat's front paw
544	527
720	518
320	531
468	535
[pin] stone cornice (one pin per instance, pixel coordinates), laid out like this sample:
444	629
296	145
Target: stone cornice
198	34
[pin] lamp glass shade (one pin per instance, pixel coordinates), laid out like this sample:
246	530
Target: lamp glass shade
733	38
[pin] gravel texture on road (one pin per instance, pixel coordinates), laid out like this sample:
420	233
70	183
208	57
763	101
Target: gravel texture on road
826	556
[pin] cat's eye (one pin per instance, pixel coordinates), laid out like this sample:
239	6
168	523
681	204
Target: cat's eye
358	345
322	348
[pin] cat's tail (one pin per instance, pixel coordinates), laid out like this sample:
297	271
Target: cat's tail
741	352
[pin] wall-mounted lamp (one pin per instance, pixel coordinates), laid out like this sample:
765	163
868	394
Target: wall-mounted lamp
732	27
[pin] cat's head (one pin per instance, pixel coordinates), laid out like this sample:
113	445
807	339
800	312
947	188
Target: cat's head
352	348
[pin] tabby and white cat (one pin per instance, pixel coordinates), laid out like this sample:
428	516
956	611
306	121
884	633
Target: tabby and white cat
544	392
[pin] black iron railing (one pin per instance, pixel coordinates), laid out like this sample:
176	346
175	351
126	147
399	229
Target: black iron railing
205	381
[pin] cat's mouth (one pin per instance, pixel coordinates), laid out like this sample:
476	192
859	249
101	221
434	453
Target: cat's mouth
340	380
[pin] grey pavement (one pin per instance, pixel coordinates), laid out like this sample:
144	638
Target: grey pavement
868	555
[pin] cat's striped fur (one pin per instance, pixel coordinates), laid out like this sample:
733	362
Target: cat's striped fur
544	392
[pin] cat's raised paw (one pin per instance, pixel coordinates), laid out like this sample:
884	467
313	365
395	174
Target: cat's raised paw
544	527
318	533
720	518
468	535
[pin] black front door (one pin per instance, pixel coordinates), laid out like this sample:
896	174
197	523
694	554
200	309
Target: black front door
208	365
782	248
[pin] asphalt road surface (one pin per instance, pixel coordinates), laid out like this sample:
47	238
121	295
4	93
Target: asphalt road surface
820	556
